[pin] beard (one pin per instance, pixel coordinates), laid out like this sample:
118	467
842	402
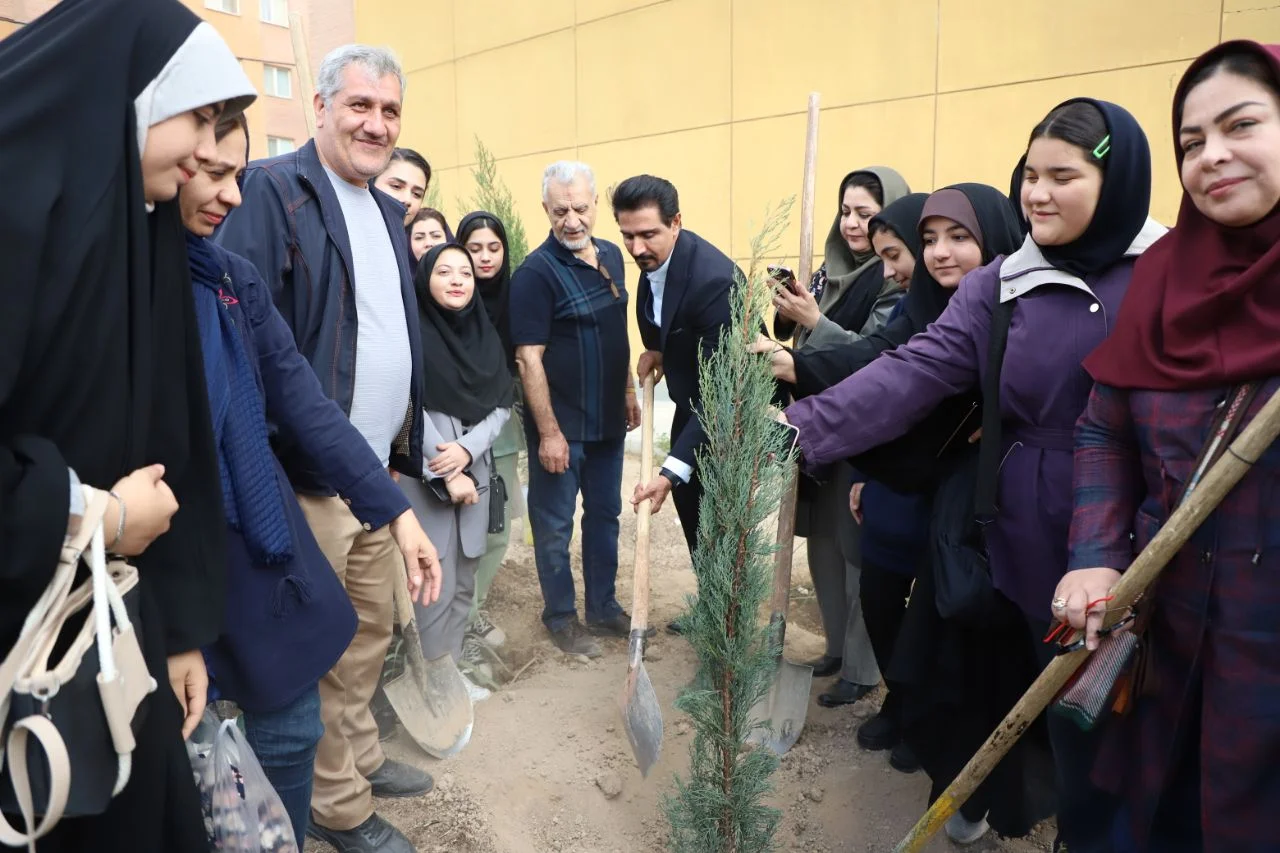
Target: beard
575	245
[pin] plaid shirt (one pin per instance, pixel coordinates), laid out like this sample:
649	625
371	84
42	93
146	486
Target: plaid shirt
579	313
1214	638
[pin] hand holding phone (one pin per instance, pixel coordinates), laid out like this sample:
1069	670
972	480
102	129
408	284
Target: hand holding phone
785	277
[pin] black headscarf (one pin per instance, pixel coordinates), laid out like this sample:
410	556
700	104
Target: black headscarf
461	351
819	368
496	291
1123	205
903	219
100	368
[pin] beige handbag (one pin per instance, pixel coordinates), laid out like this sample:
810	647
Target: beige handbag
79	711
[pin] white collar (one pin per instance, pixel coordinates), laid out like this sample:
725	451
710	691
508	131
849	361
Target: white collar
1027	268
659	276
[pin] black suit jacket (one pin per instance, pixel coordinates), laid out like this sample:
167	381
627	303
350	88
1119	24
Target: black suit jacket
695	308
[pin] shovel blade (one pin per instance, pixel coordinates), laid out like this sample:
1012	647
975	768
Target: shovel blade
642	717
783	710
431	700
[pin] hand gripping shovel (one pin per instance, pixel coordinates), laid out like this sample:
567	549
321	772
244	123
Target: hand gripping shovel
1195	507
429	697
641	713
783	709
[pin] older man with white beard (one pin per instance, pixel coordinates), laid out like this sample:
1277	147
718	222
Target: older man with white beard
569	326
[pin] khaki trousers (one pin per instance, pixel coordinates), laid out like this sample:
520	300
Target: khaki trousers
366	563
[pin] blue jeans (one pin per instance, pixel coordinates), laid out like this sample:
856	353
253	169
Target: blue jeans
285	743
595	469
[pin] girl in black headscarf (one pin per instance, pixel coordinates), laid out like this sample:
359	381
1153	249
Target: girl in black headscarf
110	106
467	403
485	238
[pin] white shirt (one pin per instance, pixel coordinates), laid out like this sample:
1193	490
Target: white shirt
384	363
658	287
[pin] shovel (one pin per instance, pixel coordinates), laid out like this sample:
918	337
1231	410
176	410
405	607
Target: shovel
641	713
429	697
783	709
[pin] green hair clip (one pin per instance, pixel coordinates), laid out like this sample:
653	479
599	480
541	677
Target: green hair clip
1103	148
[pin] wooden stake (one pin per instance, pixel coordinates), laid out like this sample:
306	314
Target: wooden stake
1252	442
805	272
302	62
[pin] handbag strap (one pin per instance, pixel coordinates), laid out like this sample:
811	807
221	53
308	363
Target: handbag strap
55	751
989	448
14	748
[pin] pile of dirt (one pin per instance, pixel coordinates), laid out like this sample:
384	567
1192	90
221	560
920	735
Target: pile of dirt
549	769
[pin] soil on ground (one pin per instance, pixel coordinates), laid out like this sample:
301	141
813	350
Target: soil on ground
549	769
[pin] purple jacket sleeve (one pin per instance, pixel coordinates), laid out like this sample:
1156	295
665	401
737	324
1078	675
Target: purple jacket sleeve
886	398
1108	483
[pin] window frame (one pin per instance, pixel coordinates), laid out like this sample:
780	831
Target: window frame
293	146
221	6
269	5
275	72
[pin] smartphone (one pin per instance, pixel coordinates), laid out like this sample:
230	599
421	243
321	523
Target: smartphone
785	277
788	436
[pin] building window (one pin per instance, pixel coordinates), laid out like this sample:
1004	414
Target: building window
276	81
231	7
274	11
277	145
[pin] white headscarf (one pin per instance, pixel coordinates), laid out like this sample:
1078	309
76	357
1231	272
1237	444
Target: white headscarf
203	71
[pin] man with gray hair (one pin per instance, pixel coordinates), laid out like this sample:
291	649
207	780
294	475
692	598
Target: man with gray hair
569	326
331	248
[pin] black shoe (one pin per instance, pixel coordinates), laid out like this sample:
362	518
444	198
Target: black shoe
616	626
395	779
675	627
572	640
826	665
844	693
375	835
878	733
903	759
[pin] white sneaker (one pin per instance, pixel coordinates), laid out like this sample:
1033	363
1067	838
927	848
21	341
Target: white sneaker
488	633
962	831
475	691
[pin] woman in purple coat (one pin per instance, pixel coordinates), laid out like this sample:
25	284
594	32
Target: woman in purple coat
1196	759
1084	187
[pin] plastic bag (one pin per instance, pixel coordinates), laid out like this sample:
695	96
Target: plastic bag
242	812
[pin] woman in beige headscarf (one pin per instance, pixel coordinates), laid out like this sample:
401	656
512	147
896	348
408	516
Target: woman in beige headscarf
849	297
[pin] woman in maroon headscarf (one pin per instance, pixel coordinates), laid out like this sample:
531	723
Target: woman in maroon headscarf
1197	758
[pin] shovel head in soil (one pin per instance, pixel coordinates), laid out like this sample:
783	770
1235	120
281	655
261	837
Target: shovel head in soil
641	713
431	700
783	709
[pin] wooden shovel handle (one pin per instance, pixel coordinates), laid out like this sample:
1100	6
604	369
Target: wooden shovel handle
640	574
807	189
1252	442
786	545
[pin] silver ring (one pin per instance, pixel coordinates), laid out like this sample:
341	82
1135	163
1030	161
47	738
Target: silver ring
1059	605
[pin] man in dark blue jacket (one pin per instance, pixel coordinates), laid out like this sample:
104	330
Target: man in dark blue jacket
332	250
681	307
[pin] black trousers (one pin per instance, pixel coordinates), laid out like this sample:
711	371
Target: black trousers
884	603
687	496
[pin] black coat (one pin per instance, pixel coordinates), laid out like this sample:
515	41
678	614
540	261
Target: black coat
695	309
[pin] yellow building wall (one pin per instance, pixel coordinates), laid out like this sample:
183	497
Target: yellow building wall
712	93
